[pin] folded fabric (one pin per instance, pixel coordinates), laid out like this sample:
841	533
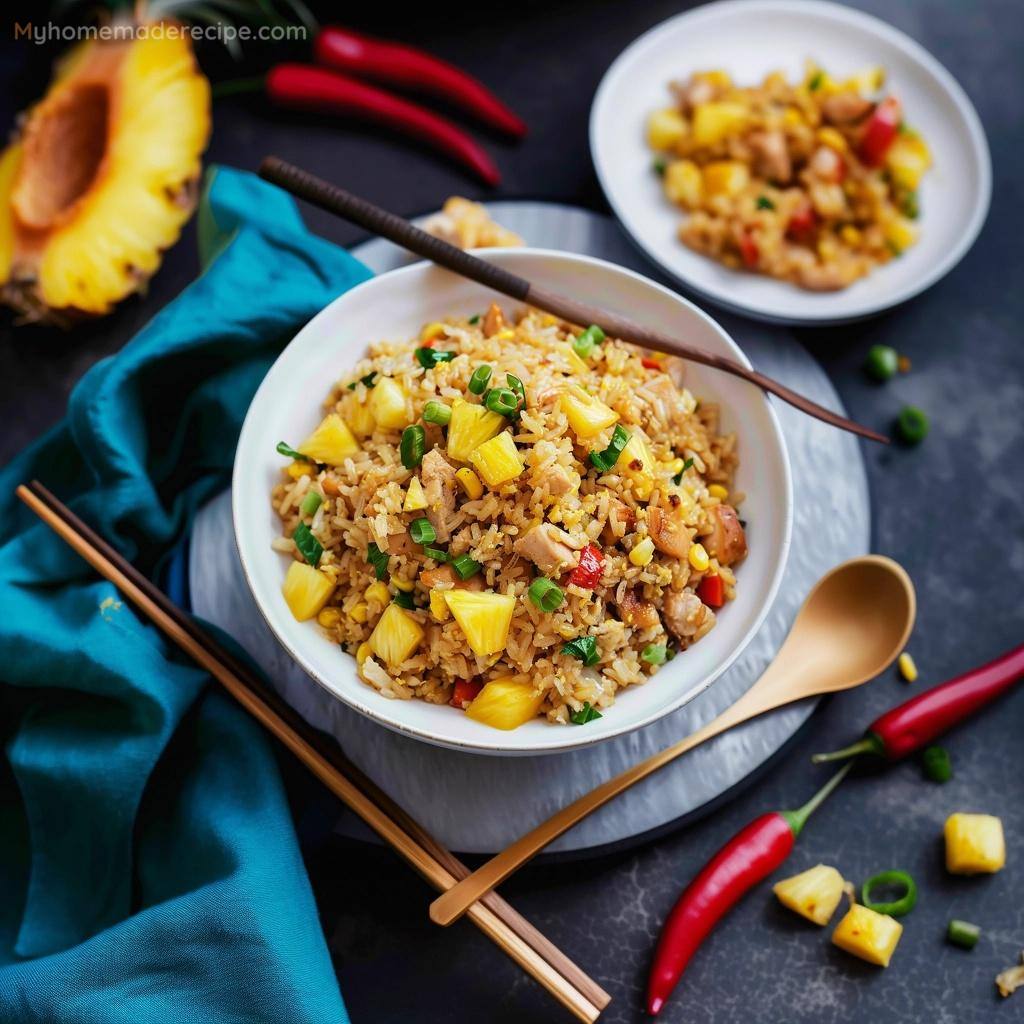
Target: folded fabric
149	869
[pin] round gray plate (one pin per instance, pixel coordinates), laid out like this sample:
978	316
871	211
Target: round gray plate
475	803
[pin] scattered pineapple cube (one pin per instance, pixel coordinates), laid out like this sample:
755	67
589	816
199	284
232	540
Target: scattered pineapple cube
396	635
974	844
665	128
332	442
485	618
359	416
636	450
907	160
868	934
506	703
388	404
814	893
469	427
684	184
306	590
498	460
415	499
586	415
725	178
712	122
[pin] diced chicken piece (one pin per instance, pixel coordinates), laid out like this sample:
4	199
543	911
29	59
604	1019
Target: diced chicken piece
685	614
635	611
826	164
693	92
547	547
727	542
621	520
771	156
846	108
494	320
558	480
445	575
439	487
666	396
402	544
668	532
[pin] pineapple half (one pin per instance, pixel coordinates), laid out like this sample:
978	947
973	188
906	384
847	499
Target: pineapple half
102	177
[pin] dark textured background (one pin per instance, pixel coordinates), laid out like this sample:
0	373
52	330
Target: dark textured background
948	510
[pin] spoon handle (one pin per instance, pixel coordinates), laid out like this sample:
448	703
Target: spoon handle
454	902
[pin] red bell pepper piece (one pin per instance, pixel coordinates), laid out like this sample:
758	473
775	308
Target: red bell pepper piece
590	569
651	364
747	859
801	221
303	87
465	692
880	131
711	590
748	251
409	68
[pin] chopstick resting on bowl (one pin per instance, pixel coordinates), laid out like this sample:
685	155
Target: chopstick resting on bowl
503	925
396	229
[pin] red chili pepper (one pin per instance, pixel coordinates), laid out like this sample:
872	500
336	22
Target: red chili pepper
880	131
651	364
303	87
413	69
465	692
915	723
590	569
749	251
711	590
748	858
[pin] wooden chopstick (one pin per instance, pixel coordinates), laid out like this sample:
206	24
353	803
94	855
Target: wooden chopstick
512	933
396	229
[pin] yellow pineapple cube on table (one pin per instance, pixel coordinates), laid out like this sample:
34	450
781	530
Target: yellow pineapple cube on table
396	635
867	934
498	460
306	590
814	893
485	618
974	844
471	426
331	443
506	703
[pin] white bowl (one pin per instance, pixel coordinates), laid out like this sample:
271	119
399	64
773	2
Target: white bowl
749	38
395	306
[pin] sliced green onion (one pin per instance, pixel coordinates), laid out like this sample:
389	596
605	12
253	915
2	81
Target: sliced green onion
882	362
963	933
378	559
437	554
815	83
936	764
291	453
606	459
678	478
654	654
466	566
545	594
584	648
475	319
422	531
518	389
403	600
430	357
894	908
309	547
310	503
478	382
585	714
911	208
367	380
659	165
501	400
413	445
437	412
584	344
764	203
597	334
912	425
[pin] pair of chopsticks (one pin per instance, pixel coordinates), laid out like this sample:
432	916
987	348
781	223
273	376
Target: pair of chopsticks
396	229
503	925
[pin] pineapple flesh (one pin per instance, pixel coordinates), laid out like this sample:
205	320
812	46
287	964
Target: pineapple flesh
975	844
813	894
506	703
306	590
868	934
470	427
415	499
587	415
498	460
388	405
485	618
396	635
331	443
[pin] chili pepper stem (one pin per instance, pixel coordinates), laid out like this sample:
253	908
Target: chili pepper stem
798	818
870	744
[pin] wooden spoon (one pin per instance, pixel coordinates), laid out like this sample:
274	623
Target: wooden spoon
851	627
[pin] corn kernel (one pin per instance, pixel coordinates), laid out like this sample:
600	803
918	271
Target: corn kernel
718	491
298	469
827	250
643	552
506	334
975	844
833	139
469	482
907	667
406	586
850	235
792	117
698	557
359	612
329	618
439	606
432	331
378	592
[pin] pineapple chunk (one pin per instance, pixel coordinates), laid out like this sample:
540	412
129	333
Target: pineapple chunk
586	415
725	178
469	427
907	159
684	184
359	416
665	128
900	233
485	618
712	122
415	499
813	894
637	451
576	364
306	590
506	703
396	635
498	460
439	606
974	844
388	404
332	442
868	934
867	81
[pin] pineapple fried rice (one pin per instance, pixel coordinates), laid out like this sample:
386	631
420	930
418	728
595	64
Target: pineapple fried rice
511	516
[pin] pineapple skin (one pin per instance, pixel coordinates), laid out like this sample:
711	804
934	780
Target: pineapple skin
814	893
867	934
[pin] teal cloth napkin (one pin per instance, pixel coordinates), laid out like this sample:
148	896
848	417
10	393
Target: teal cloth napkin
149	870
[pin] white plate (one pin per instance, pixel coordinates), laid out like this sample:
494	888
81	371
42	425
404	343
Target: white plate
395	306
749	38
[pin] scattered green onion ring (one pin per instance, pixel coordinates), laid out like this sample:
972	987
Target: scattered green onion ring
545	594
413	445
963	933
912	424
584	344
502	401
882	362
422	531
936	764
310	503
436	412
894	908
518	389
466	566
654	654
478	382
